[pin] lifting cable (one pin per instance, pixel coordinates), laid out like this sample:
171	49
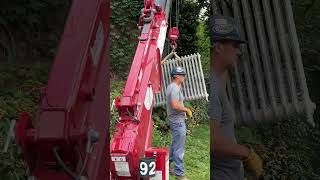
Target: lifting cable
173	52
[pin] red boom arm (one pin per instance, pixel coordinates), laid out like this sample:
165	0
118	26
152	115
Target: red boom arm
134	130
70	135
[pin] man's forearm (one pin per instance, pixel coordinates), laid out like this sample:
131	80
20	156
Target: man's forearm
176	106
180	108
225	148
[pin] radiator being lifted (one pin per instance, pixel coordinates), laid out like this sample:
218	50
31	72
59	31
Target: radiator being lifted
269	82
194	86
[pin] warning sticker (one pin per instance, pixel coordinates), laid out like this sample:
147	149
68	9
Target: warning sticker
122	168
158	176
118	158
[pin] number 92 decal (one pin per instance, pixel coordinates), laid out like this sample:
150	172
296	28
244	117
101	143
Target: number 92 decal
147	167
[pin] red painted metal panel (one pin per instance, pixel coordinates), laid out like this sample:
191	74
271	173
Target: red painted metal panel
75	100
134	131
162	160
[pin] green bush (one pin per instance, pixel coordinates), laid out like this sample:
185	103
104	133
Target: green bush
124	41
35	26
203	47
199	109
287	148
115	91
124	34
188	24
19	91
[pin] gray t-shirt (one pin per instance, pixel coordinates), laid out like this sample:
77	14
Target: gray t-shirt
221	110
174	93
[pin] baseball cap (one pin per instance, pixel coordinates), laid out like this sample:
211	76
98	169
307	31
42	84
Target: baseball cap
224	28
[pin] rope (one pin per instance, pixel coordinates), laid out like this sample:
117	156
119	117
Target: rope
169	56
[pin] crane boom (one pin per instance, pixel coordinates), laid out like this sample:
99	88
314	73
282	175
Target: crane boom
70	133
133	134
69	137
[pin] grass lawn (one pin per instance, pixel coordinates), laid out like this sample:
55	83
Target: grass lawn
197	156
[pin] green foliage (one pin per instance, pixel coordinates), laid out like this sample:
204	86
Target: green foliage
124	33
160	139
307	17
19	91
159	116
115	91
199	109
285	148
188	23
203	45
35	26
20	87
11	166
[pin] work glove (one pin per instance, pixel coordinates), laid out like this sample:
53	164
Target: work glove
189	113
253	163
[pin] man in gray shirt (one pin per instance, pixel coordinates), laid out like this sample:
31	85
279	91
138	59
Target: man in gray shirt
226	155
177	114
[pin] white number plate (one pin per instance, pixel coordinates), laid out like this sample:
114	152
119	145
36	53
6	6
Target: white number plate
147	167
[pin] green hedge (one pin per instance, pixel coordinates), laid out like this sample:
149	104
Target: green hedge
288	148
19	91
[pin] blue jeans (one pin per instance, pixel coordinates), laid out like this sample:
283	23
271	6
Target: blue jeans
178	130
